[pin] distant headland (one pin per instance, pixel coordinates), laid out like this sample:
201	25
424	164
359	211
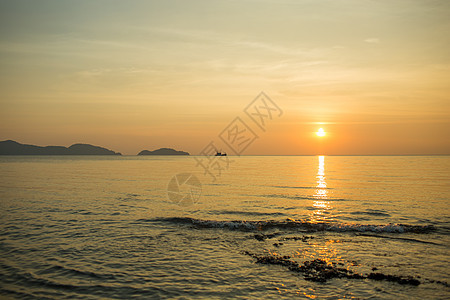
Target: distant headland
163	151
10	147
14	148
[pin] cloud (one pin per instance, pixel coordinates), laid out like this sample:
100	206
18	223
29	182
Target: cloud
372	40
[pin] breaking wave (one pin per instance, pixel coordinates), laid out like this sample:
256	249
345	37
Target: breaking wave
302	225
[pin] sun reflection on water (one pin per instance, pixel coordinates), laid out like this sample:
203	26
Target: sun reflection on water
321	193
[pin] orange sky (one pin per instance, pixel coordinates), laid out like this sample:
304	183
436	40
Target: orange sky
133	75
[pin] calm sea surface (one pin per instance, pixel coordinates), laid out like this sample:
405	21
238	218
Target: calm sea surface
104	227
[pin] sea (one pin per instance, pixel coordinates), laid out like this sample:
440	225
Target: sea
248	227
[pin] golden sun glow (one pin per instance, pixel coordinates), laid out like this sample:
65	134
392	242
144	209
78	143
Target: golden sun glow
321	132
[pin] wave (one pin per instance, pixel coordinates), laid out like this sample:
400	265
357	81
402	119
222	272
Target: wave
62	282
245	213
70	272
371	212
299	197
303	225
300	187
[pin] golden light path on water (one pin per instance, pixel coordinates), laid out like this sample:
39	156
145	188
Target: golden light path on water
328	250
321	192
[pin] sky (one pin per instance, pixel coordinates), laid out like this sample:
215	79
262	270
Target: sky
134	75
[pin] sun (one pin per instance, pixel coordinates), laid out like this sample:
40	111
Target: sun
321	132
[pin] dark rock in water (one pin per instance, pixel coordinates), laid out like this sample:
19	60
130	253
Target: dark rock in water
14	148
304	238
440	282
316	270
262	237
394	278
354	263
163	151
319	270
277	244
272	260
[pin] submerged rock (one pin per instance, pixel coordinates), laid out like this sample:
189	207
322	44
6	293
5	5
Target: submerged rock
394	278
303	238
262	237
319	270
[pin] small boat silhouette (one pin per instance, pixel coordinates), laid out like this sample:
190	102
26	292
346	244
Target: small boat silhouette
220	154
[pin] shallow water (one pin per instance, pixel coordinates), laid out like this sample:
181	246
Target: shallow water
104	227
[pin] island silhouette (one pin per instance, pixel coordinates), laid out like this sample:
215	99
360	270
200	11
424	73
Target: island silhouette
163	151
10	147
